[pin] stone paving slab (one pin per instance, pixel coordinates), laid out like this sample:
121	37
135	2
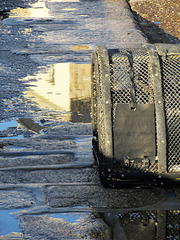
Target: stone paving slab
50	176
16	198
99	197
37	160
12	236
87	226
41	187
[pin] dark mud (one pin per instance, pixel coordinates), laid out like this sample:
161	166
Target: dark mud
159	20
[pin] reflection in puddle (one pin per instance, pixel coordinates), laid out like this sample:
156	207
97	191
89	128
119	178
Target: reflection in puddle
37	10
4	125
64	0
4	14
147	225
8	223
68	217
69	9
11	128
30	125
14	137
64	87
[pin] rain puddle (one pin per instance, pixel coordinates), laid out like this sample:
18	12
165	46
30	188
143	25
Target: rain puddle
36	11
14	137
63	87
8	222
5	125
144	224
22	123
4	14
68	217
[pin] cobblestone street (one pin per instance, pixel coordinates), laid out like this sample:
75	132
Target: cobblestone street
49	182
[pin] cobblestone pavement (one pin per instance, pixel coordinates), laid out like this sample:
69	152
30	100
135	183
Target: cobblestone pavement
49	183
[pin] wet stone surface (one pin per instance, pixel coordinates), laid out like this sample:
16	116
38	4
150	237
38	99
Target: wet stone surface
50	176
35	160
47	170
87	227
17	236
97	196
21	198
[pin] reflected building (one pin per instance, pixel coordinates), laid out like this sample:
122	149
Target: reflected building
64	87
80	92
37	10
149	225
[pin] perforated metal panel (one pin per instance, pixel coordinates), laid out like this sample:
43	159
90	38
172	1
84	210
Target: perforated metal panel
120	77
154	76
147	224
173	224
170	66
121	91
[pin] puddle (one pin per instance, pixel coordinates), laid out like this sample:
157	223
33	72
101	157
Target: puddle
80	47
8	222
17	148
12	127
14	137
30	125
144	224
63	87
68	217
37	10
4	125
4	14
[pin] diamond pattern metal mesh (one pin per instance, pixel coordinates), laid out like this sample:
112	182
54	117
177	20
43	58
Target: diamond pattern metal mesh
120	77
121	82
171	92
134	217
121	85
171	222
173	225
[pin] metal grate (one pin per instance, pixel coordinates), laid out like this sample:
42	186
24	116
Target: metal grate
120	91
120	77
173	225
140	76
138	216
135	168
170	67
